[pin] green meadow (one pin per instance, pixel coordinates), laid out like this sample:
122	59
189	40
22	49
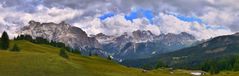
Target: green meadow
44	60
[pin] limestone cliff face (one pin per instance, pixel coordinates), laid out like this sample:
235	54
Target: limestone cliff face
62	32
143	44
138	44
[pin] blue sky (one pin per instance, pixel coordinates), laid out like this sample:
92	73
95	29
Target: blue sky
189	19
132	15
149	15
139	13
106	15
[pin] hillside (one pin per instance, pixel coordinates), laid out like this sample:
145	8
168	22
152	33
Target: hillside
133	45
44	60
214	49
219	52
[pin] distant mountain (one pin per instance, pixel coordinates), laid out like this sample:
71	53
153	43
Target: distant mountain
143	44
142	36
135	45
62	32
213	49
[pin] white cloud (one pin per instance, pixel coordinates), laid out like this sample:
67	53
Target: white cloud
230	3
217	17
12	20
171	24
85	13
115	25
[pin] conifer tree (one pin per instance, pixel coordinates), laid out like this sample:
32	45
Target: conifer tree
90	54
4	41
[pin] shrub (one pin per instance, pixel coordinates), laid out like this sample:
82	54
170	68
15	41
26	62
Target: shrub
15	48
63	53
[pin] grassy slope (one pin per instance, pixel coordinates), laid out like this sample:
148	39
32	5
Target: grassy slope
43	60
228	73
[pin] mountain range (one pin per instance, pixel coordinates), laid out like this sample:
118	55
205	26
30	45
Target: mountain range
135	45
213	49
143	49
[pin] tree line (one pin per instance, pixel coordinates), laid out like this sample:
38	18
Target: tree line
41	40
64	48
5	43
225	64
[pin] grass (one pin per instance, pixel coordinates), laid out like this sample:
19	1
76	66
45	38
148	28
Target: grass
227	73
44	60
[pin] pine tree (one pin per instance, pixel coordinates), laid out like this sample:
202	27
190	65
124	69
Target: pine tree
4	41
90	54
15	48
236	65
160	64
63	53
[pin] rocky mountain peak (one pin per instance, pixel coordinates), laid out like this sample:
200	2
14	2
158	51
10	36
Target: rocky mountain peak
32	22
102	38
142	36
143	43
138	44
123	38
236	34
180	36
184	34
62	32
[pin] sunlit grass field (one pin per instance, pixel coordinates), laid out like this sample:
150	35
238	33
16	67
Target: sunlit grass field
44	60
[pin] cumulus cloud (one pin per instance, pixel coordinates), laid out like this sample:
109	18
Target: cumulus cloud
115	25
118	25
12	20
171	24
218	17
